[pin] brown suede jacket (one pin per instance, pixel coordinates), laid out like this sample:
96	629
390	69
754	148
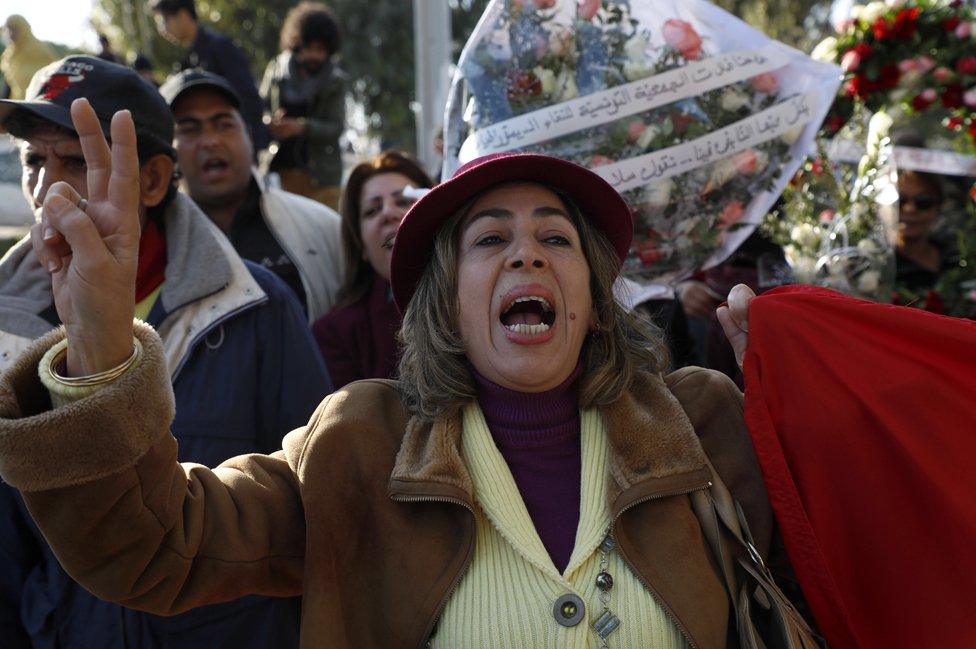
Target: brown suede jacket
365	512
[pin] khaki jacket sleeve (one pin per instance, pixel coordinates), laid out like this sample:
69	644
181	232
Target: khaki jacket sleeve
125	519
714	405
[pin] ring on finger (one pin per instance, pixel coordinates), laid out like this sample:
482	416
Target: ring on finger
82	204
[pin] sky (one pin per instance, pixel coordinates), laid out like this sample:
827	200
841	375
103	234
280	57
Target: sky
60	21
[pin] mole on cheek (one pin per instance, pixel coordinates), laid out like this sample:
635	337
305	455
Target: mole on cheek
572	316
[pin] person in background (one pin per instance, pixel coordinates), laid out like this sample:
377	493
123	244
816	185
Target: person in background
240	360
305	93
294	237
106	53
24	55
144	67
358	337
920	257
206	48
759	264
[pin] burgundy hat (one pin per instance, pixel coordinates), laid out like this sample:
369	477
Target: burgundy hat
596	198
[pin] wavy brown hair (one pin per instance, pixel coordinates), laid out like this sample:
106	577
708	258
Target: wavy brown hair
359	272
434	375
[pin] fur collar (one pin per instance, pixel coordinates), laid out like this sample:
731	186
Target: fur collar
654	451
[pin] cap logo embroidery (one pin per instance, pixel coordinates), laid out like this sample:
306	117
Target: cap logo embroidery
69	73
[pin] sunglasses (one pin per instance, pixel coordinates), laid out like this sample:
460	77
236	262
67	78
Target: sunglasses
921	202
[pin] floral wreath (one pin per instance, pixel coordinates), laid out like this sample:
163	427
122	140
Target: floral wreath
917	55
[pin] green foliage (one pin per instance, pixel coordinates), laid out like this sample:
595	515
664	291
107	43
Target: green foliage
5	245
799	23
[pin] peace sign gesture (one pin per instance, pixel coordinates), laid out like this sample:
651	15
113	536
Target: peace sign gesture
91	246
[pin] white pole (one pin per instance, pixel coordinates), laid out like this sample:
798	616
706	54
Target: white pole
432	53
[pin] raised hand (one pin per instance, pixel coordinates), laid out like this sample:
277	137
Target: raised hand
91	247
734	319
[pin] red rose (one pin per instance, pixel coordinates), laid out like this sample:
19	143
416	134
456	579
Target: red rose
682	37
889	76
816	167
880	28
648	252
857	86
954	123
904	25
966	65
920	104
949	24
972	130
835	123
680	122
972	193
952	96
521	84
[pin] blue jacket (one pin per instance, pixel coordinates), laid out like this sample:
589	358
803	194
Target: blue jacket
245	372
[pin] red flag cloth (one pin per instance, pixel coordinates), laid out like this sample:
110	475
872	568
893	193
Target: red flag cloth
152	260
863	417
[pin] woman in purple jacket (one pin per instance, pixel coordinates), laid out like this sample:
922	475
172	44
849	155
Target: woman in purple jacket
358	337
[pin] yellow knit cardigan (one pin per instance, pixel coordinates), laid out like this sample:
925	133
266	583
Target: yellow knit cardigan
506	597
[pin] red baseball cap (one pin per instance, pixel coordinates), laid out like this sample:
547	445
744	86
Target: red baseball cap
597	200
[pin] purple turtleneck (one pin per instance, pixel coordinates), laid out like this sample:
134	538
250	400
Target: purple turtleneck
538	434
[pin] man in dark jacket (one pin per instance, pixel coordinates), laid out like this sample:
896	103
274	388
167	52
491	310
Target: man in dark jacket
210	50
244	367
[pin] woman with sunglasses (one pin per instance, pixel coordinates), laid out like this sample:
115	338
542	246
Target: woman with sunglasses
920	257
358	337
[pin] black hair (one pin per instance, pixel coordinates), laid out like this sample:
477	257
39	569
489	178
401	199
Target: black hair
172	7
311	22
141	62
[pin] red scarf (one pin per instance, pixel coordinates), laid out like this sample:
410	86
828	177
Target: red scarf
863	417
152	260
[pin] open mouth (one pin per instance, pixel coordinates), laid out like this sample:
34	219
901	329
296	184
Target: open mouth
388	242
528	314
214	165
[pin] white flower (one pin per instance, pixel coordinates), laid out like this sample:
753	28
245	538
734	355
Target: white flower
856	11
826	50
686	226
792	135
566	86
762	160
867	247
733	100
838	266
648	136
805	235
873	11
869	281
634	70
500	46
658	192
878	127
636	48
547	78
722	172
895	4
560	41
